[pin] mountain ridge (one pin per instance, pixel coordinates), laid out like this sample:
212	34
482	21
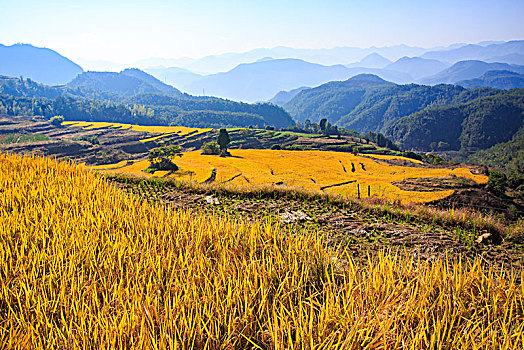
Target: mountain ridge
37	63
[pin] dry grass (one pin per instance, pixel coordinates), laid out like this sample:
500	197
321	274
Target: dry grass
84	265
310	170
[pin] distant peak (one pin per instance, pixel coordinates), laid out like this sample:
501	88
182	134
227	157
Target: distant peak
374	55
368	78
373	60
265	59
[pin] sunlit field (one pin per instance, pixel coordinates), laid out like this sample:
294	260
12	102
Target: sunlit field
165	130
314	170
84	265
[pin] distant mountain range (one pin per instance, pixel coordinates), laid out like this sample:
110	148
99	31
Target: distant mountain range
478	52
40	64
373	60
337	55
174	76
417	67
260	81
259	75
465	70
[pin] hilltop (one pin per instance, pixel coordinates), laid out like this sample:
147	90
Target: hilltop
41	64
129	82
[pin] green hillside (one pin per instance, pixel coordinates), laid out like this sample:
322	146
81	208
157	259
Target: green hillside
499	79
506	156
467	127
367	103
117	104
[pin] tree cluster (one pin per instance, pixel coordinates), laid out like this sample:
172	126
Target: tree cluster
161	158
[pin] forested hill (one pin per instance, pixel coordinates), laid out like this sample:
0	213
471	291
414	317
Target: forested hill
478	124
367	103
271	114
24	96
499	79
127	83
334	99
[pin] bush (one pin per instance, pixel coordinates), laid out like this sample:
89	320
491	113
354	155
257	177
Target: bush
162	158
413	155
433	159
57	120
210	148
91	139
276	146
497	182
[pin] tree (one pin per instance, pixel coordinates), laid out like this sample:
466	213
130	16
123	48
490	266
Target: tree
162	158
307	125
223	140
57	120
322	124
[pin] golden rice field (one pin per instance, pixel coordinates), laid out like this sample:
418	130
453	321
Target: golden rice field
308	169
164	130
84	265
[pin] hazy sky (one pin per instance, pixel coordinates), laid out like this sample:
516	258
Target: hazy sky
126	31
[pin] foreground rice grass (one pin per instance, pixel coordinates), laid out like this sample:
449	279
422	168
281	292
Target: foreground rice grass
83	265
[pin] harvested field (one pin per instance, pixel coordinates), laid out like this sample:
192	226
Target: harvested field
331	171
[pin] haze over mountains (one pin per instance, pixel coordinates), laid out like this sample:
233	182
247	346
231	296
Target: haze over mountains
259	75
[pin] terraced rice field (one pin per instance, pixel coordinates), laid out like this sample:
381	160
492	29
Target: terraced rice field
332	172
163	130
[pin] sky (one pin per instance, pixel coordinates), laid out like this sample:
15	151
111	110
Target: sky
127	31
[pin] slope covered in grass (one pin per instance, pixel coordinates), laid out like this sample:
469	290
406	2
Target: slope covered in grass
83	265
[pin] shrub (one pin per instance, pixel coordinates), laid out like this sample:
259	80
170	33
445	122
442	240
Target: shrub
413	155
210	148
162	158
497	182
57	120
